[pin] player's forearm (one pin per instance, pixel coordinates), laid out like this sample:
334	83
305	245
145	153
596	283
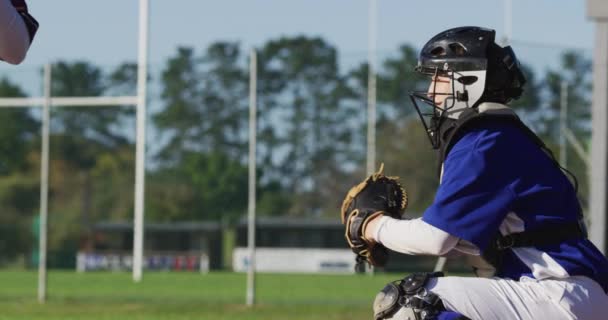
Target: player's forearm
14	38
413	236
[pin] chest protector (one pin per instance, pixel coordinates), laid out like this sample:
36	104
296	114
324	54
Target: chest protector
451	129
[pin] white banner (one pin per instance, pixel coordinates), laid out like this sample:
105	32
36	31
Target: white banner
296	260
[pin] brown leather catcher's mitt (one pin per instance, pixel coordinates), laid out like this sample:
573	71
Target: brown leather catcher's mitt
376	195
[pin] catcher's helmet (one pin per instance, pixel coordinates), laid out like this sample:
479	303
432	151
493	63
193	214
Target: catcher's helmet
479	71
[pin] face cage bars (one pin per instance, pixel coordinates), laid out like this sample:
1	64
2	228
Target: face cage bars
438	113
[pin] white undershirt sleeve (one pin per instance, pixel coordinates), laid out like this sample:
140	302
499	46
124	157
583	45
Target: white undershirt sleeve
14	37
413	236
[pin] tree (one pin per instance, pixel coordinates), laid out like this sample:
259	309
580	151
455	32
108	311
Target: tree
204	122
575	71
17	132
122	80
396	80
19	185
201	187
181	95
205	103
83	79
306	96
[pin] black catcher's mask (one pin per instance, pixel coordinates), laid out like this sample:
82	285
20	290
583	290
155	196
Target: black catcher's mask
477	69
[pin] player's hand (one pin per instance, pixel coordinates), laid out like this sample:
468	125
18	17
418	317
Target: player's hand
376	196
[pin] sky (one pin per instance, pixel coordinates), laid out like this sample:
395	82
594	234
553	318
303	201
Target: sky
105	32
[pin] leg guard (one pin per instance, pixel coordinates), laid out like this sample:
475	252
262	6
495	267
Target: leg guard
408	299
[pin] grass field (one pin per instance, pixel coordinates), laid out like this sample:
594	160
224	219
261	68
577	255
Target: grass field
188	296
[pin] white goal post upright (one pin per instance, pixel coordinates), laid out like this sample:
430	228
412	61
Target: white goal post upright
140	148
371	89
44	185
250	295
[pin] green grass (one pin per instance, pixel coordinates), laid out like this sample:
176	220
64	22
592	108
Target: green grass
188	296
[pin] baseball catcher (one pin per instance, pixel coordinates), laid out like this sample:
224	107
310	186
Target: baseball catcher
503	202
377	195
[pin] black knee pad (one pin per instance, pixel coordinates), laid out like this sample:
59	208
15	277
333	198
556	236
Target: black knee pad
408	299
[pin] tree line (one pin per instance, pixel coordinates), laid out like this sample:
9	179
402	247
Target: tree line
311	137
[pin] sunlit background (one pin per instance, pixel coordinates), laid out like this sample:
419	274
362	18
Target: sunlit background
312	145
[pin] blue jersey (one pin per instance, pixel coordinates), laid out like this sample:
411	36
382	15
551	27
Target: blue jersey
496	179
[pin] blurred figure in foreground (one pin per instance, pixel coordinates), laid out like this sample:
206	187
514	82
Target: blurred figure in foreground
17	30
